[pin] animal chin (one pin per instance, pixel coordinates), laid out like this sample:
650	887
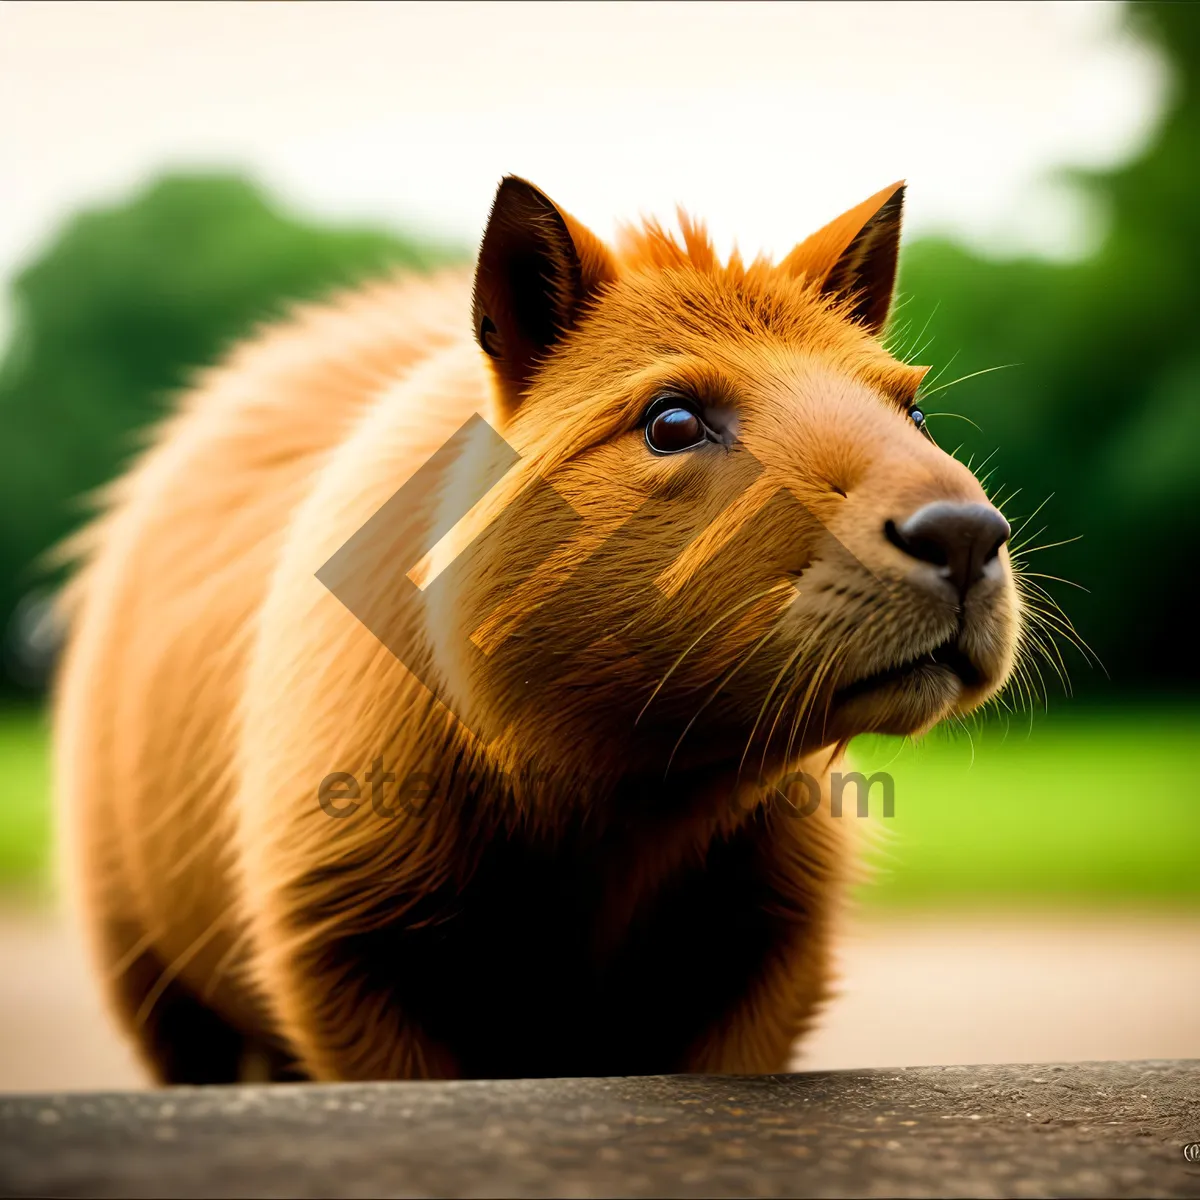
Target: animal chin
943	663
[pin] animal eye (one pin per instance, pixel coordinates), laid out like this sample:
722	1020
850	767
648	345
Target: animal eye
918	417
672	426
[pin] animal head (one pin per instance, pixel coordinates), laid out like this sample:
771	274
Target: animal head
729	529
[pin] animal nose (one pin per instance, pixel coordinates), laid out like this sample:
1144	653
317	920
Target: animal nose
959	539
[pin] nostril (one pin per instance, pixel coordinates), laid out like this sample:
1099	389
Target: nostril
925	548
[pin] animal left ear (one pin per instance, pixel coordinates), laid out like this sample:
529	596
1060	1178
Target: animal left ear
854	257
538	267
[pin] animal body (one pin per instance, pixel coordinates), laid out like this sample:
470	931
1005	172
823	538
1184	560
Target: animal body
453	687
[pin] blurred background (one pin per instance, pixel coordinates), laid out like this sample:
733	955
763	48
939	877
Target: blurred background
175	174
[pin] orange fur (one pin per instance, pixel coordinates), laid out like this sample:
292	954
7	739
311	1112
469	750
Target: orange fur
610	879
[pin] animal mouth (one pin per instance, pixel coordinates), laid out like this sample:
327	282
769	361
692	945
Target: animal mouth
946	657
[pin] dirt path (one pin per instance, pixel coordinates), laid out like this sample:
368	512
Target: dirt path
915	990
1011	989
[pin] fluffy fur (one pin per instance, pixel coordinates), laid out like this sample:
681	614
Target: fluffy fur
609	875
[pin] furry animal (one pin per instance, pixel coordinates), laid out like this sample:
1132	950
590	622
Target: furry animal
531	774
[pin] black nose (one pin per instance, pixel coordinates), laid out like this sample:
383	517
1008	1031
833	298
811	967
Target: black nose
960	539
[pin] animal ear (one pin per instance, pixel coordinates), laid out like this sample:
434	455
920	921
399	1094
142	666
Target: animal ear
537	269
854	257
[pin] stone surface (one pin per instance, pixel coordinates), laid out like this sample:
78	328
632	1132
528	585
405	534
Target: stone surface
1092	1129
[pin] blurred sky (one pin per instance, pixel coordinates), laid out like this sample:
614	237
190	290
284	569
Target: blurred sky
764	119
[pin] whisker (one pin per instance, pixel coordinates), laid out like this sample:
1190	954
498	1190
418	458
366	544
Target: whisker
958	416
987	460
1008	499
973	375
787	664
1061	625
171	973
970	738
1052	655
1015	548
219	971
723	617
829	660
1049	545
716	692
1056	579
939	372
1026	522
813	689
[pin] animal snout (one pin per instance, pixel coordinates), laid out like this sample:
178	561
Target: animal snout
958	539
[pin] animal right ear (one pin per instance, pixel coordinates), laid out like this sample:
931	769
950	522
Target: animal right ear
854	257
538	268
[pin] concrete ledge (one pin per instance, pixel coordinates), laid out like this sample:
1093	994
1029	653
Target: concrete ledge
1091	1129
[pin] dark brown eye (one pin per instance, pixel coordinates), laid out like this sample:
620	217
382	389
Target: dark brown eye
671	427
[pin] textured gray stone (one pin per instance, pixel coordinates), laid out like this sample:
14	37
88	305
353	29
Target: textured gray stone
1091	1129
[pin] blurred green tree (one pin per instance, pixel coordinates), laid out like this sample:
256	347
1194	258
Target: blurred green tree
111	320
1103	411
1102	414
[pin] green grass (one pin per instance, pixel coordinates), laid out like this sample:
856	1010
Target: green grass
1088	807
24	796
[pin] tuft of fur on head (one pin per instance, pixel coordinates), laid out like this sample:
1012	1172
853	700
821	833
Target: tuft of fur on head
650	246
